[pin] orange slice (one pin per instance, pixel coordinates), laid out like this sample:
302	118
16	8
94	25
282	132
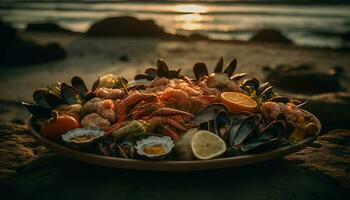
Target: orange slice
238	102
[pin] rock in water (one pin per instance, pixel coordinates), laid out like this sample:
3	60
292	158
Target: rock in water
16	51
270	35
125	26
47	27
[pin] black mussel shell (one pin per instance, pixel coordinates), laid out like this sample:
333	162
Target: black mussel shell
252	83
54	100
175	73
69	94
221	124
200	70
95	84
245	130
89	96
209	113
163	69
267	93
143	77
231	68
39	97
79	84
269	138
239	116
238	77
262	88
151	72
219	66
37	111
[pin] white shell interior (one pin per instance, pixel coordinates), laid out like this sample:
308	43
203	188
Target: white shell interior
165	141
67	137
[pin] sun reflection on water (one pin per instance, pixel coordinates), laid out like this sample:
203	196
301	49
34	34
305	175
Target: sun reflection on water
193	17
190	8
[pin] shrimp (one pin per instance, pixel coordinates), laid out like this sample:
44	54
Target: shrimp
106	109
271	110
95	120
159	82
109	93
91	106
293	113
207	90
178	97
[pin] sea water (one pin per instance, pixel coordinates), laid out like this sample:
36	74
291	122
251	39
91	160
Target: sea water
309	25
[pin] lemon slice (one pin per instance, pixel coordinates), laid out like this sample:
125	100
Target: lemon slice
206	145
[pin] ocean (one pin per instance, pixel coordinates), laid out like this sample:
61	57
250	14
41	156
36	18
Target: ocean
308	25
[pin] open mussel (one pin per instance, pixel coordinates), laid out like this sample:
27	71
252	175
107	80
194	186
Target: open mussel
244	130
200	69
80	85
69	94
162	70
49	98
209	113
268	138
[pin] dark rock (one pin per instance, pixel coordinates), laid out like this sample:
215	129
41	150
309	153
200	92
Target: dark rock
125	26
16	51
332	109
346	36
270	35
47	27
8	35
197	36
303	79
124	58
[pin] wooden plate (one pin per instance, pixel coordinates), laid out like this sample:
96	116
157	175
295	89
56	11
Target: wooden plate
170	165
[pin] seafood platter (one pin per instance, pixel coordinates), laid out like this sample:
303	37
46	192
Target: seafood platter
164	120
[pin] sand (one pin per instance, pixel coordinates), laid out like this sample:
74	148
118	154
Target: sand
90	57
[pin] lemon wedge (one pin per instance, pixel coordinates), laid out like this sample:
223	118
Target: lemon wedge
206	145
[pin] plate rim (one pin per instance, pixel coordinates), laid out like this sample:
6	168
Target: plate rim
171	165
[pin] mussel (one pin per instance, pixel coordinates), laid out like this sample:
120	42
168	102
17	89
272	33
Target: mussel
200	69
49	98
243	132
162	70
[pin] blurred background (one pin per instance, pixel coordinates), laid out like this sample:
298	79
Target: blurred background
300	46
307	22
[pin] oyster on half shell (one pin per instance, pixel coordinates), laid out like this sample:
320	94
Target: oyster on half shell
154	147
82	138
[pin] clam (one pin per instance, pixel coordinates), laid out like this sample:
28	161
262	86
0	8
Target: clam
82	138
154	147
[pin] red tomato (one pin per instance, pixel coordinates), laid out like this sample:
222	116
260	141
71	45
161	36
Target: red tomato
57	126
